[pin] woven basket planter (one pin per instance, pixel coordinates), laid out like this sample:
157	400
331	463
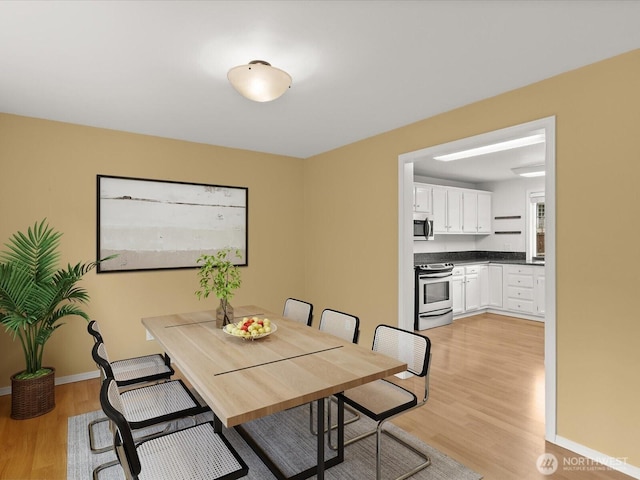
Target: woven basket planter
32	397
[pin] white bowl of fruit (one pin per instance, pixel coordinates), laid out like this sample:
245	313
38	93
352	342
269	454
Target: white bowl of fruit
251	328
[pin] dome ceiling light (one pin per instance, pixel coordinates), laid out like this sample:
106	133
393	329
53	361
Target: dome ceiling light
259	81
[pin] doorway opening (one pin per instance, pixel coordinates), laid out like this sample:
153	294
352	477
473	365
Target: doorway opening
405	241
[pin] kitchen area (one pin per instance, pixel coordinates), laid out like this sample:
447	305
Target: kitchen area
479	233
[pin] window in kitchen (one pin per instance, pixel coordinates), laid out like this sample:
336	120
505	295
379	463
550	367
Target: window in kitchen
536	225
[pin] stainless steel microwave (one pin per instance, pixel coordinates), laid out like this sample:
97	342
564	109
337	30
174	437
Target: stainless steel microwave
422	229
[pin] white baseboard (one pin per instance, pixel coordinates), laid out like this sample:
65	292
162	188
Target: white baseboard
62	380
507	313
619	464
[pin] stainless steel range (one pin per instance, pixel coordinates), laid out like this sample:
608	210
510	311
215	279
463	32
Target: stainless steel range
434	303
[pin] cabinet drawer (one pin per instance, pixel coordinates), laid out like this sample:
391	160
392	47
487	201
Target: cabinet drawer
515	280
520	269
518	293
471	269
457	271
525	306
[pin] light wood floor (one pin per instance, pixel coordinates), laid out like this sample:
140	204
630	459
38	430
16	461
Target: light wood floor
486	403
486	408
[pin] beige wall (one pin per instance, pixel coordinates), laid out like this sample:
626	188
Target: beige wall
49	170
351	213
346	200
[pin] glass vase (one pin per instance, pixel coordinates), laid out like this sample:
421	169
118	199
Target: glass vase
224	313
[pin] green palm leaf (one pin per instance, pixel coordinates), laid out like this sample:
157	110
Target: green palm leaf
35	295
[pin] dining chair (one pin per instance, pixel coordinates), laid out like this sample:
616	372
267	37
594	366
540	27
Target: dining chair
347	327
298	310
130	371
340	324
136	370
149	405
197	452
385	399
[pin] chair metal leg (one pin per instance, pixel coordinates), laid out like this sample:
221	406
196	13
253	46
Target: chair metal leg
92	446
104	466
377	432
355	418
413	471
312	429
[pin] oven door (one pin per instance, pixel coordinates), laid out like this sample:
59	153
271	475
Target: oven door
434	292
437	318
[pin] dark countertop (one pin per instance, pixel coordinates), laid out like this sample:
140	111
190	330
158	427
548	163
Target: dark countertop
474	257
505	262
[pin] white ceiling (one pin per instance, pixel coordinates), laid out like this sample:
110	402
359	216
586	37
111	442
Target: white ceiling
490	167
359	68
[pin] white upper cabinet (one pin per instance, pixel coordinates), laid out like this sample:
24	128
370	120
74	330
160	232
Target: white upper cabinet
439	210
422	198
447	210
484	213
469	212
454	210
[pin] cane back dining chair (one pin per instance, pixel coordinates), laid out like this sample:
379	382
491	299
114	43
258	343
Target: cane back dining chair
148	405
298	310
385	399
347	327
340	324
197	452
154	403
127	372
136	370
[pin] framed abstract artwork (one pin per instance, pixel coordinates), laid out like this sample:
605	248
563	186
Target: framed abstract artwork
159	224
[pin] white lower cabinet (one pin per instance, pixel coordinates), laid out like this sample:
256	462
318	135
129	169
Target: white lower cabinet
457	290
524	289
538	291
495	286
516	289
471	288
466	289
519	288
485	286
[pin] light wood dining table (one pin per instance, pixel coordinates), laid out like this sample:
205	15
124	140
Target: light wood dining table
243	380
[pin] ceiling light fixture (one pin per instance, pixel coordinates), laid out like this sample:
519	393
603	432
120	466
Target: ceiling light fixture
259	81
495	147
530	171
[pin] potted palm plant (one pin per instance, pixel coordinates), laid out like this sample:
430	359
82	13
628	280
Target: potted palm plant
219	274
35	296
